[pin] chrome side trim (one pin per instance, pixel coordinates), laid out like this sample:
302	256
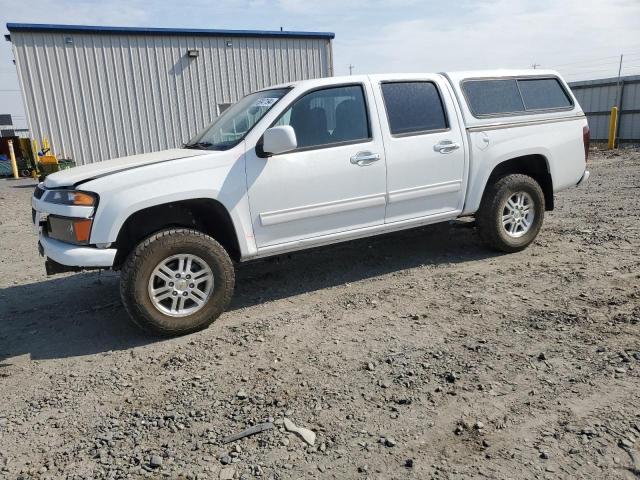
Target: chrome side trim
498	126
422	191
310	211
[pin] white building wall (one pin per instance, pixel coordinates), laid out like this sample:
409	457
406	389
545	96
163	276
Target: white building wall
100	95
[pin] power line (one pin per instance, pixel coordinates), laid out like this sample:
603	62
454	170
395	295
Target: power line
609	69
592	60
594	75
597	64
597	51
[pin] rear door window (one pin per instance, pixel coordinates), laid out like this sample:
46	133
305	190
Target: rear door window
413	107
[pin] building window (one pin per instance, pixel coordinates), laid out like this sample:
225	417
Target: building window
222	107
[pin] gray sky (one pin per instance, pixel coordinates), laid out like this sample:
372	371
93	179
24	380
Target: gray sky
582	39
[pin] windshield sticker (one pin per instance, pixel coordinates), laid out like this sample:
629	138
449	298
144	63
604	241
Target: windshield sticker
265	102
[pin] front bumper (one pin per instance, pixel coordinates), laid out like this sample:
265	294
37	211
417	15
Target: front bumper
62	253
584	178
76	256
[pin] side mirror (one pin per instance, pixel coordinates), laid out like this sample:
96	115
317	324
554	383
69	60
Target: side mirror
279	140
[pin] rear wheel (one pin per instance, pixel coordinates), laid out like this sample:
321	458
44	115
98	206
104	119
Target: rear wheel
176	282
511	213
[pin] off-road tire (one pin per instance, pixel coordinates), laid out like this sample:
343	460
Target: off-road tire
137	269
489	216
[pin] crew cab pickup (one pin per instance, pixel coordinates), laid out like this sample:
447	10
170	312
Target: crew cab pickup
311	163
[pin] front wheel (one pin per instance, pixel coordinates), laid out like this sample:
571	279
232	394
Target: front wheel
511	213
177	281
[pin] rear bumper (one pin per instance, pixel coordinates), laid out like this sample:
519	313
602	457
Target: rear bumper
584	178
75	256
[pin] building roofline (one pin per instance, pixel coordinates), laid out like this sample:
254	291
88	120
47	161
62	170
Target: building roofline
604	81
45	27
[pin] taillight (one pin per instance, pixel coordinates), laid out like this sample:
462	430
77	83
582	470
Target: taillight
586	138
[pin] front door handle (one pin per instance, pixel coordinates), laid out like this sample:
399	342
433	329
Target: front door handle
362	159
446	146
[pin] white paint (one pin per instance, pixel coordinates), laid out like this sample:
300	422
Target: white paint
66	178
311	193
279	140
75	256
299	213
419	178
313	197
427	191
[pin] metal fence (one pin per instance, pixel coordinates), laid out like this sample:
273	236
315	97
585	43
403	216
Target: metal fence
596	98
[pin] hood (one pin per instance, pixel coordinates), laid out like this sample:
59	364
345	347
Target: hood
72	176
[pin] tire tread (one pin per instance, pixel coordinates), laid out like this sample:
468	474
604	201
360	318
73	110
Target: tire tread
130	294
485	219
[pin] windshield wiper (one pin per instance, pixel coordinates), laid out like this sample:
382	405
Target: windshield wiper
198	145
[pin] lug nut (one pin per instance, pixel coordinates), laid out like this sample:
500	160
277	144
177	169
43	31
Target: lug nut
171	284
184	294
191	285
175	293
188	276
177	275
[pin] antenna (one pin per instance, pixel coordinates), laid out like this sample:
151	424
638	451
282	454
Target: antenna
535	65
351	67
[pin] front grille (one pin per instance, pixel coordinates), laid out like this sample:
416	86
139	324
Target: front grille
38	192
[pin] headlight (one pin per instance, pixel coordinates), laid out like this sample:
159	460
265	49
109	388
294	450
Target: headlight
72	197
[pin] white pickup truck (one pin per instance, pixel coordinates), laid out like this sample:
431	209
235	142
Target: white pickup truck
312	163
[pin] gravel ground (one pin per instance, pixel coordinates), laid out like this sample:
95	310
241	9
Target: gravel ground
419	354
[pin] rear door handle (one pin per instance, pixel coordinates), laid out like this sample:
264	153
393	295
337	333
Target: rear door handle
446	146
362	159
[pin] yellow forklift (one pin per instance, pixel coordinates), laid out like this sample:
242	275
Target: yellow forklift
46	162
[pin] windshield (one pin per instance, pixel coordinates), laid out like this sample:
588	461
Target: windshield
229	128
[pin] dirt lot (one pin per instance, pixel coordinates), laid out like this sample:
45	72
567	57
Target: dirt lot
414	355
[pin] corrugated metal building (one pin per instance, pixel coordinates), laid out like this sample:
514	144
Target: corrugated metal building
596	97
104	92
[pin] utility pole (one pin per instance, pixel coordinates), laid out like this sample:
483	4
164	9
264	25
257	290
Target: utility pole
618	81
351	67
615	111
535	65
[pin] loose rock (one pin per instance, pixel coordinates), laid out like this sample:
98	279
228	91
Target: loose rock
307	435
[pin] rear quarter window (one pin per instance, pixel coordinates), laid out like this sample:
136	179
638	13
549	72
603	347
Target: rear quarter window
541	93
512	96
488	97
